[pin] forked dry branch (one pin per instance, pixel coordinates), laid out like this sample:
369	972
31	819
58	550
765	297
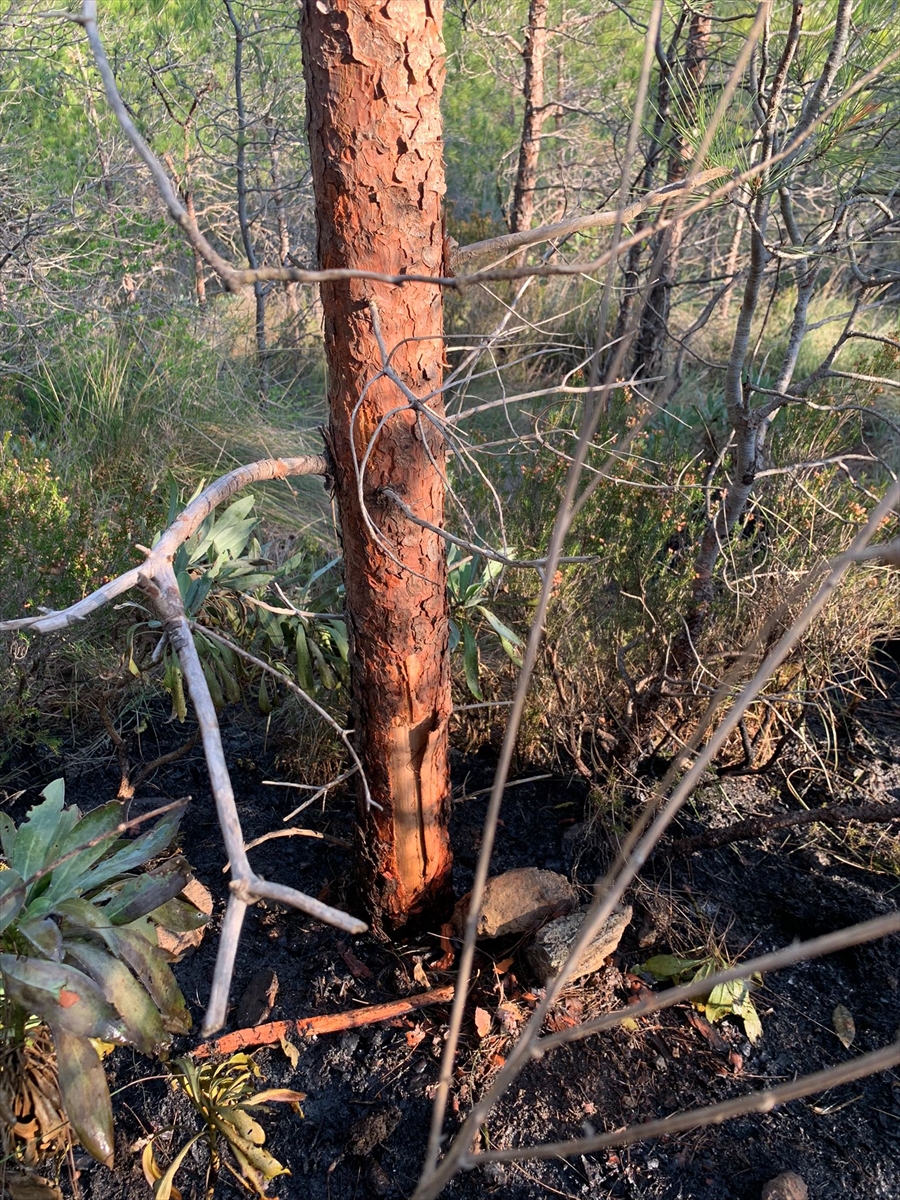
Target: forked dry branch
236	279
156	578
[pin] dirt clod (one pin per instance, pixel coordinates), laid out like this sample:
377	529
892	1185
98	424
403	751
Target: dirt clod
373	1130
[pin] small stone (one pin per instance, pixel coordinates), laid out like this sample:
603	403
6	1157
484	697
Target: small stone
257	999
553	943
786	1186
519	902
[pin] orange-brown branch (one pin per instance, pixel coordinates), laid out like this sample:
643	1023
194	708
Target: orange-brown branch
274	1031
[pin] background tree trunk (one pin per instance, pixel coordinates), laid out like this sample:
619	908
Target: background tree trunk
651	339
374	74
536	112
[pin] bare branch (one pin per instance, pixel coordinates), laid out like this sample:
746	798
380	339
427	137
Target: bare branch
757	1102
754	827
510	242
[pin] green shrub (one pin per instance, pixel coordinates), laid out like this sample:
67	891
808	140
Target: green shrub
78	952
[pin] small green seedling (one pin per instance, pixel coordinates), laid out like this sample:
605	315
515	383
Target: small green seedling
223	1095
724	1000
469	584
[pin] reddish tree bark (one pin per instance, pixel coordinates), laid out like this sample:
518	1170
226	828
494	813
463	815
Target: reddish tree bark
374	72
536	112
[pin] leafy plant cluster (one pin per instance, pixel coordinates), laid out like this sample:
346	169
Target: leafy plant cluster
53	542
228	580
732	999
223	1096
79	906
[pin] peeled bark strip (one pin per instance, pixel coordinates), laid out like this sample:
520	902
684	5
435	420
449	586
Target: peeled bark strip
374	72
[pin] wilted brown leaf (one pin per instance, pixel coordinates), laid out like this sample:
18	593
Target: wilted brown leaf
357	967
482	1022
290	1050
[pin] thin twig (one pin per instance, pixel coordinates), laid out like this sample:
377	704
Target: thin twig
757	1102
754	827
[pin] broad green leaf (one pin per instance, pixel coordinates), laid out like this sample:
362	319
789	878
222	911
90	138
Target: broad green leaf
470	662
670	966
7	834
149	964
100	823
717	1012
317	575
145	959
263	699
135	853
225	664
502	631
140	1015
144	893
197	592
12	896
338	631
212	682
36	836
43	935
61	995
82	914
244	581
705	968
728	995
85	1093
179	916
55	792
455	636
304	662
329	680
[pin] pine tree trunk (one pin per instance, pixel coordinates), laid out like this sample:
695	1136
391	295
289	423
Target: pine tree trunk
374	73
534	52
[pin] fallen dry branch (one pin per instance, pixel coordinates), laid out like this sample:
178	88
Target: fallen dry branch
274	1031
754	827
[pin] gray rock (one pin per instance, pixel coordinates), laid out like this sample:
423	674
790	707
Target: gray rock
519	902
553	943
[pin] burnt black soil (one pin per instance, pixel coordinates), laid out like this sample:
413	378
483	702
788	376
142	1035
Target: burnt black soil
365	1119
